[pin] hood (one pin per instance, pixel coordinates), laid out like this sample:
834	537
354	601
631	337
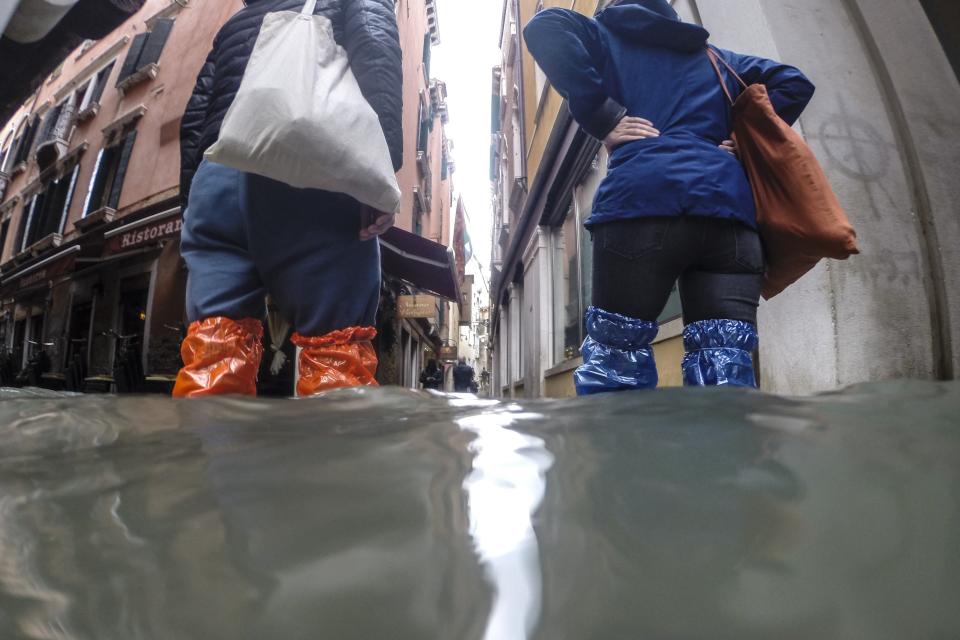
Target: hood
653	22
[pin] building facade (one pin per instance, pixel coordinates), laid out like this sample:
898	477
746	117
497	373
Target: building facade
91	279
879	124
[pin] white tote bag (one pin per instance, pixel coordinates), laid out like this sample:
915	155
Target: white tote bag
299	116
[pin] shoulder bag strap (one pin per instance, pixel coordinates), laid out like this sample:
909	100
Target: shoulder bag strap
309	7
713	56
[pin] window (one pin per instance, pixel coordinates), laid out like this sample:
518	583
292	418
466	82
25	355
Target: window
417	217
423	136
426	57
568	302
91	93
9	160
109	173
573	266
4	232
540	77
48	210
26	142
144	51
5	150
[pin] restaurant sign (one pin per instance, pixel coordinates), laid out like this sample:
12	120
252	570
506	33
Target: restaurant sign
448	353
419	306
49	272
136	235
41	274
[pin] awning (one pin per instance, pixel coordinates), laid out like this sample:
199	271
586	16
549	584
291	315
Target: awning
40	272
425	264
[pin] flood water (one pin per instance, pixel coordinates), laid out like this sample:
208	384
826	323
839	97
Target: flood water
709	514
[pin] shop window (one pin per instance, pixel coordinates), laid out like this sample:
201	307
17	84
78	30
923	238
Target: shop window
109	173
48	209
133	305
34	338
19	341
80	317
568	303
145	50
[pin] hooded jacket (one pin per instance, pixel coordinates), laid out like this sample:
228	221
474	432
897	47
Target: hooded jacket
637	58
367	29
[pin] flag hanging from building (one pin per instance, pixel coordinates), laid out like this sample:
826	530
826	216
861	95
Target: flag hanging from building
462	247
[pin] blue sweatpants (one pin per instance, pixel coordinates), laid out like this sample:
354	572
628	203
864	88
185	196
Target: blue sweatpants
245	236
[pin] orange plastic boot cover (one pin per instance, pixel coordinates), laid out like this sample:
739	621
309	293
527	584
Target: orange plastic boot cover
343	358
220	356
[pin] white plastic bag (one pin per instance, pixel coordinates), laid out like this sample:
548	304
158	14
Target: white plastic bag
299	116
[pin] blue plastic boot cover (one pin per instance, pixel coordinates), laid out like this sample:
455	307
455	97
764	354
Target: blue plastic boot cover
616	354
719	352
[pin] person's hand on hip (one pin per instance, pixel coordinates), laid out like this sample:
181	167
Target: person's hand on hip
628	130
730	146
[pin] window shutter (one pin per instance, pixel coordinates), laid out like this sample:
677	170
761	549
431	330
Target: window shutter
426	57
11	157
26	143
121	170
25	225
155	43
66	205
101	83
130	63
87	91
93	182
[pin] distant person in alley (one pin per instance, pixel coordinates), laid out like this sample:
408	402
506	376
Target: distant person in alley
315	252
463	374
676	204
432	376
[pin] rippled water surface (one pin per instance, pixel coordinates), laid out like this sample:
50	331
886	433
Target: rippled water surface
389	514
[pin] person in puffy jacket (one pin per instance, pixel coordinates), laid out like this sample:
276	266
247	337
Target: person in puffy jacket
315	252
463	377
675	204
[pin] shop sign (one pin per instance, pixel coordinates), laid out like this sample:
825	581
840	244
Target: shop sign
143	235
419	306
448	354
49	272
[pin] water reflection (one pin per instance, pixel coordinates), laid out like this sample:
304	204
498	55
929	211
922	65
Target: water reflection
504	491
390	514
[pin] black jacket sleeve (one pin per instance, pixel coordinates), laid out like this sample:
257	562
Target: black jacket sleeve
191	128
372	42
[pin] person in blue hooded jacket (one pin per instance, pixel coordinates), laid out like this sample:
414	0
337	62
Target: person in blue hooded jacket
675	205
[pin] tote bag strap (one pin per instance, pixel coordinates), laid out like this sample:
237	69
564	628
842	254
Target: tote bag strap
712	55
309	7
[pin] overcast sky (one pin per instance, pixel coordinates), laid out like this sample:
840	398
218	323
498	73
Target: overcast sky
468	51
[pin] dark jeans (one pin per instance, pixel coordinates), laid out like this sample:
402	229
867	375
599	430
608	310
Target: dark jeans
719	265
